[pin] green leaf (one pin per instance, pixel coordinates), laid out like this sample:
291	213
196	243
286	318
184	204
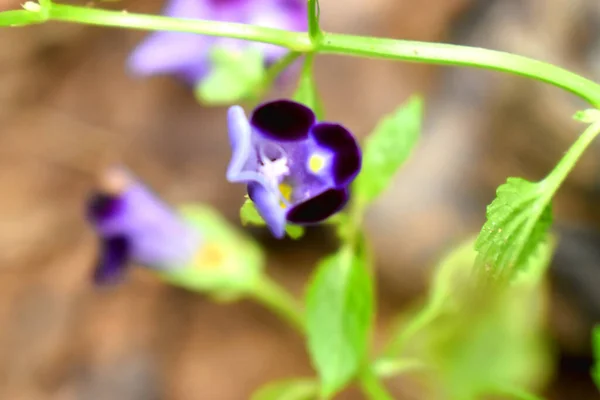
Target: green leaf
339	314
463	324
518	221
453	275
387	148
294	231
233	77
307	93
596	347
227	264
289	389
250	216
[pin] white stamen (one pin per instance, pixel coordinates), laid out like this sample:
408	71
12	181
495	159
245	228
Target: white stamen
275	170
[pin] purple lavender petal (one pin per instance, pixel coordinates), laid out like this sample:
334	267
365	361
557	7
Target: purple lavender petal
183	54
280	14
243	164
114	258
157	237
283	120
268	206
347	156
318	208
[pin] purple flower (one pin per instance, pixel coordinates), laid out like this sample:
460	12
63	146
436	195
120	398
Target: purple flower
297	169
187	55
135	226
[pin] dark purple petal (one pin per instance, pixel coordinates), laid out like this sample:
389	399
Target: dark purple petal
268	206
283	120
102	206
347	159
318	208
113	261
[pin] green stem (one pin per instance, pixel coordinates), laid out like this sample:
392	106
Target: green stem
272	73
514	392
295	41
553	181
314	30
277	299
389	368
434	53
307	89
449	54
372	386
423	318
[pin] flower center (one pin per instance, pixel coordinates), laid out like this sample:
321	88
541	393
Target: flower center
274	167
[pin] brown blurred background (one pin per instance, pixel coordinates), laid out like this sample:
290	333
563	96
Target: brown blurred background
68	109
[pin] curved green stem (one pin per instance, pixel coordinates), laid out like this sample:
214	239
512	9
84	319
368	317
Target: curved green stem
551	183
435	53
372	386
272	74
294	41
449	54
277	299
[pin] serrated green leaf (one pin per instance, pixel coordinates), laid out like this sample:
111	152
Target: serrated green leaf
233	77
307	93
339	313
289	389
518	221
596	347
249	215
227	264
387	148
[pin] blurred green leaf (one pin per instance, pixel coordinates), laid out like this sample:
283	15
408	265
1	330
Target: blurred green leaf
250	216
290	389
387	148
460	329
227	265
449	276
518	221
294	231
233	77
596	347
339	313
307	93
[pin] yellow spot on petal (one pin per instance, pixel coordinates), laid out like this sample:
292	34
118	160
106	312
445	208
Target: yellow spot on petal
286	192
316	163
210	256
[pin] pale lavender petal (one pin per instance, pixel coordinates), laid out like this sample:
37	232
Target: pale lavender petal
156	236
280	14
172	53
243	164
268	206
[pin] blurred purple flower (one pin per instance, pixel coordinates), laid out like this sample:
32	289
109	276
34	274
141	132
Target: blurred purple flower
297	169
187	55
135	226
